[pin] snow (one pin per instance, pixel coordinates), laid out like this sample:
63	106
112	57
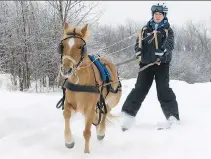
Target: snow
32	127
5	82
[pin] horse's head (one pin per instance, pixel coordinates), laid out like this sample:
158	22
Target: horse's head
72	49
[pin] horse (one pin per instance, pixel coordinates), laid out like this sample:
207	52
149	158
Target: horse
85	90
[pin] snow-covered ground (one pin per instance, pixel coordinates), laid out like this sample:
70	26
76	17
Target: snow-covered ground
32	128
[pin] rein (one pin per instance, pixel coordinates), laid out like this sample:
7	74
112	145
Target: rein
140	70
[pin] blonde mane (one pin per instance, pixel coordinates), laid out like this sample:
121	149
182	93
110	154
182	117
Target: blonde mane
70	29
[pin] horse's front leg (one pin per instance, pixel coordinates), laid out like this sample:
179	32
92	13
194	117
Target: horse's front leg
69	142
89	116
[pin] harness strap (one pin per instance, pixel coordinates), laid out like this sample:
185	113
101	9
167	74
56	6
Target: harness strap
156	40
166	30
69	58
101	107
74	30
81	88
119	88
61	101
150	64
140	36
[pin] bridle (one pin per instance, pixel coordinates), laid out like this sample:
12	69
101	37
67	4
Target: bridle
83	49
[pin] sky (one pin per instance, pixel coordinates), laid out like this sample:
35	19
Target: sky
117	12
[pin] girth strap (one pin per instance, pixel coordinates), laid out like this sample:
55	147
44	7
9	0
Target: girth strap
81	88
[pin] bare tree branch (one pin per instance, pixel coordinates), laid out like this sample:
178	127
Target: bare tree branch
86	14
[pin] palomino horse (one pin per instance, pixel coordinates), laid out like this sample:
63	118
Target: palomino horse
84	85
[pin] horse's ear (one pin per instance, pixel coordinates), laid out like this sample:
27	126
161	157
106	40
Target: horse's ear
84	30
66	25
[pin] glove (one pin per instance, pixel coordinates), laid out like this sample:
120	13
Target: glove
159	52
138	55
138	58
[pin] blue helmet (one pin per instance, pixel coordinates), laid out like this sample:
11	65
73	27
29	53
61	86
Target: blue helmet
159	8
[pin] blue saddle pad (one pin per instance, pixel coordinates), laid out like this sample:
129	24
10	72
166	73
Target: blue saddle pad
104	73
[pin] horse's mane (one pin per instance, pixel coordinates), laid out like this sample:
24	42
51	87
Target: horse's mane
78	31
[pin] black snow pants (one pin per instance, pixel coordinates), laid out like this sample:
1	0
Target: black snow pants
144	81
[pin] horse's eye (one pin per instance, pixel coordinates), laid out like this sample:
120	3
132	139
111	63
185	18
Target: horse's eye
80	47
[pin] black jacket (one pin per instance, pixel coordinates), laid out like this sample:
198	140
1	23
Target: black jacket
164	42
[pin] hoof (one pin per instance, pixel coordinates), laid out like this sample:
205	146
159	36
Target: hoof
99	137
124	129
71	145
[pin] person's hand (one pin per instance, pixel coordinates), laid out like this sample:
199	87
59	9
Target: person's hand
159	52
138	58
138	50
138	54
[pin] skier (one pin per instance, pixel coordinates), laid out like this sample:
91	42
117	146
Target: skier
147	53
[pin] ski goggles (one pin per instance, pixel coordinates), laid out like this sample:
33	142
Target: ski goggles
156	8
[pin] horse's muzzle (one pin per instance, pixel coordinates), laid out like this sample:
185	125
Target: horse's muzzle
66	71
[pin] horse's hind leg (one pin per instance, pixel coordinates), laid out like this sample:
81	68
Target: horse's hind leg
69	142
112	101
87	131
101	128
